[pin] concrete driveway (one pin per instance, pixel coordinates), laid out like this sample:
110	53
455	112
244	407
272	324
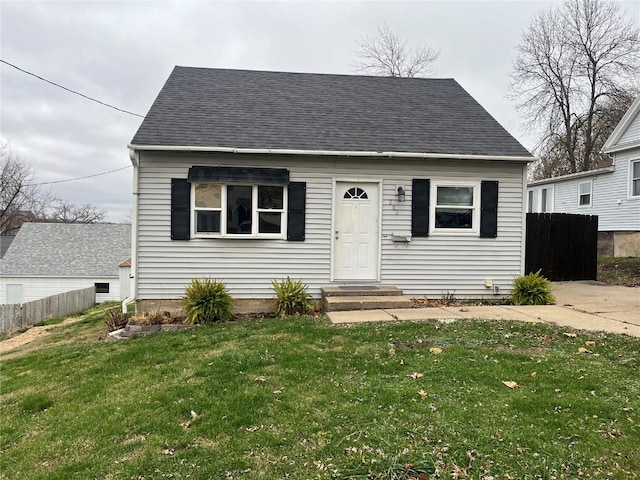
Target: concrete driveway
616	303
589	306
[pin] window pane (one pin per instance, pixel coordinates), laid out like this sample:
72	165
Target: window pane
270	197
455	196
208	195
585	199
208	221
269	222
636	187
636	169
585	188
454	218
239	209
543	198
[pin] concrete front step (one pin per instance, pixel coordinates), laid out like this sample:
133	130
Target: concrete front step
365	302
360	291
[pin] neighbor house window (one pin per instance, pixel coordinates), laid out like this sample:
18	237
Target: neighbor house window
238	210
455	208
102	287
533	200
584	194
635	178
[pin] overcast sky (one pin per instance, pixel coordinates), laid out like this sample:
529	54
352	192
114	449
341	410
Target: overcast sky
121	53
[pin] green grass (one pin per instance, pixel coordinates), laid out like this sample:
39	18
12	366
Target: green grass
619	271
299	398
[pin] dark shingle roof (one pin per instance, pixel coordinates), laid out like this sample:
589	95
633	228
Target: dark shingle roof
204	107
68	250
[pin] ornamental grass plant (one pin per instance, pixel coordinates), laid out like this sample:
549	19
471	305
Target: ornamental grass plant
532	289
207	301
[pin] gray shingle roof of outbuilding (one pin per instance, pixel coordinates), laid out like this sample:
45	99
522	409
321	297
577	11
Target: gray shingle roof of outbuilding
202	107
67	250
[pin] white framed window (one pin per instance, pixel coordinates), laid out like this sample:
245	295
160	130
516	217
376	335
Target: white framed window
584	194
455	208
239	211
533	201
634	178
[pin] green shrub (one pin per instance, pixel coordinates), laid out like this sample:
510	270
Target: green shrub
291	297
115	319
532	289
207	300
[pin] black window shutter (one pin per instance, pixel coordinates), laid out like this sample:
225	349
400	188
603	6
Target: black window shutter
489	209
296	211
420	207
180	206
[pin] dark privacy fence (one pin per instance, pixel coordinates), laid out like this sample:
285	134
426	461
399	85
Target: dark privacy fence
564	246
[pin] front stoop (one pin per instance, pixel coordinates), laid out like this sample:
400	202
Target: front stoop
369	297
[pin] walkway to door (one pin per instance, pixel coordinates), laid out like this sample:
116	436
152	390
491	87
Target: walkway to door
585	305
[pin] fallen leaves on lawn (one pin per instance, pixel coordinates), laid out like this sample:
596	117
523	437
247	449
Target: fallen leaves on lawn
590	343
570	335
168	451
423	394
415	375
435	350
511	384
583	350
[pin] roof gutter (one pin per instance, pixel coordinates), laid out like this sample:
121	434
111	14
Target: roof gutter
333	153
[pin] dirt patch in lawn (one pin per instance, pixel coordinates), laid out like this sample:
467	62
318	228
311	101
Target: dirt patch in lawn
32	334
619	271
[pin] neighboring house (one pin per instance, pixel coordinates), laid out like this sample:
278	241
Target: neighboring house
50	258
612	193
5	242
249	176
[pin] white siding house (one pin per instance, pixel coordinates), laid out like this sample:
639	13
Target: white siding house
248	177
50	258
612	193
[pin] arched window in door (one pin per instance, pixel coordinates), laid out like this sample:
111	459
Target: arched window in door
357	193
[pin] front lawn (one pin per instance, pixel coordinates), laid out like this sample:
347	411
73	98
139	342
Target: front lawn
298	398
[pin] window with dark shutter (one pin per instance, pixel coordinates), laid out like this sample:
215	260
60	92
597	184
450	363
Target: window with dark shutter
296	211
489	209
420	207
180	206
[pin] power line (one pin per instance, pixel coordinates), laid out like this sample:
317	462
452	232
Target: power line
74	179
72	91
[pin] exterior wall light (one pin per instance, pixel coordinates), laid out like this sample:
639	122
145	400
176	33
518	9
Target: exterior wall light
401	194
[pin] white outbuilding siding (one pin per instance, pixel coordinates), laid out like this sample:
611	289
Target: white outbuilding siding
35	288
430	266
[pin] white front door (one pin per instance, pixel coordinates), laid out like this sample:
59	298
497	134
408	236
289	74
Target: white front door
357	231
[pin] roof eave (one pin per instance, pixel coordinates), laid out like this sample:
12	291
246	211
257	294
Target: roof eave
619	148
571	176
333	153
610	145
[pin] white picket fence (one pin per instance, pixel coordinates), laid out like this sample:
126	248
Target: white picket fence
18	316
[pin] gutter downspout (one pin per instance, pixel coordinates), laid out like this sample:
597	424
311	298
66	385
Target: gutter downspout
133	278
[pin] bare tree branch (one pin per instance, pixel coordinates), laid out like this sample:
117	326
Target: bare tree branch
21	200
387	54
576	65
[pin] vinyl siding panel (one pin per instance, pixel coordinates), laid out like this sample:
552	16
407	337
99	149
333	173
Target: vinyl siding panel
35	288
632	134
429	266
610	199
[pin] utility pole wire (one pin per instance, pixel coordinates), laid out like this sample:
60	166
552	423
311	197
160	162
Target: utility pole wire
70	90
78	178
